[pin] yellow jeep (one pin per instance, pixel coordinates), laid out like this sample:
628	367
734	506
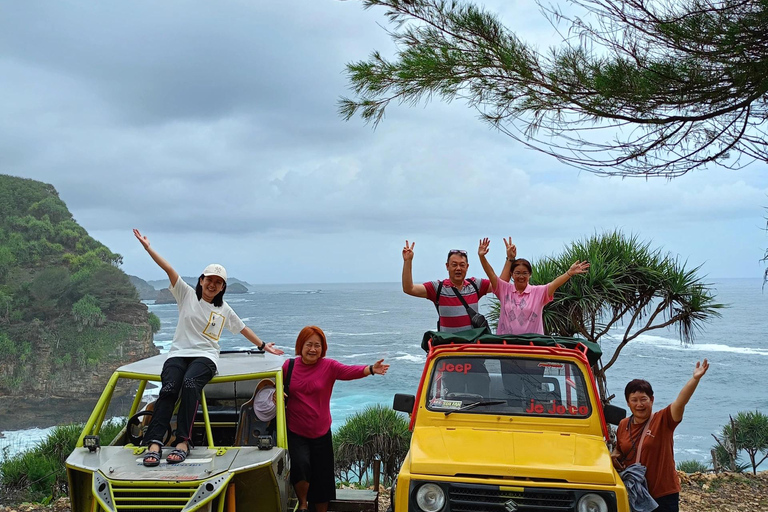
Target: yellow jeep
508	423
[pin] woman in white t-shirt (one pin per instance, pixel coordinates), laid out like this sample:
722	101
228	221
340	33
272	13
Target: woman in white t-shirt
193	356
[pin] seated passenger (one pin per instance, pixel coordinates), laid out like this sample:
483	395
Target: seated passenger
193	356
521	304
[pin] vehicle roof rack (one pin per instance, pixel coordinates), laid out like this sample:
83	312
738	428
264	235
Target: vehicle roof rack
482	336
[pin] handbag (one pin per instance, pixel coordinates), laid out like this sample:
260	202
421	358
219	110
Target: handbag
476	319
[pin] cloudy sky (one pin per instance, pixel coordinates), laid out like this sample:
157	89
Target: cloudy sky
212	127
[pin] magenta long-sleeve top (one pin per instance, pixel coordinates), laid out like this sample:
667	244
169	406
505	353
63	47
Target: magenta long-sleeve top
308	411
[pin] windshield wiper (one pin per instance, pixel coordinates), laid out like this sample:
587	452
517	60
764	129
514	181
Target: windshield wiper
476	404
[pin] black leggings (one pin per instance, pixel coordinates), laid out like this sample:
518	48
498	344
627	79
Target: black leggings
312	461
181	375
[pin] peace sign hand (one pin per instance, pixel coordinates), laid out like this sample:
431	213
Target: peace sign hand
511	249
408	251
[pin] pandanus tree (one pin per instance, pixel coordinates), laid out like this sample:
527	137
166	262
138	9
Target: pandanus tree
630	289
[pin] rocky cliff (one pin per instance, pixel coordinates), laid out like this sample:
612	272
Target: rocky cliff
68	315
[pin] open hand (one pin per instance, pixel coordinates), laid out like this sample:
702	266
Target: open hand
143	239
511	249
700	370
579	267
379	368
408	251
484	247
270	347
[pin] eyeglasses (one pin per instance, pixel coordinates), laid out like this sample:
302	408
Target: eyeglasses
456	251
521	274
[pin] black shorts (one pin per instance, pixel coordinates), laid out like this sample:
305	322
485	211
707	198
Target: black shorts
312	461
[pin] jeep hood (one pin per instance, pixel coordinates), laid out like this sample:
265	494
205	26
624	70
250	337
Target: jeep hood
574	458
122	463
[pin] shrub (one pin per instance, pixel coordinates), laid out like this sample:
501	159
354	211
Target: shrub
87	312
747	432
692	466
376	433
154	323
39	474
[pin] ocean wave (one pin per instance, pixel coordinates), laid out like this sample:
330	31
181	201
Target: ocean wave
409	357
396	333
677	345
370	312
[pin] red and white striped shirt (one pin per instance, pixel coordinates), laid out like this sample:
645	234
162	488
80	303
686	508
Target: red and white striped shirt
453	314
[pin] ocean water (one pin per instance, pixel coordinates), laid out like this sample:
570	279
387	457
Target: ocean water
369	321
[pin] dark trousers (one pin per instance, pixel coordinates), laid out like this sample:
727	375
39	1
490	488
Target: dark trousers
312	461
668	503
185	376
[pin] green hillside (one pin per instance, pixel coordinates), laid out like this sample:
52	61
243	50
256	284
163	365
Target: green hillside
65	305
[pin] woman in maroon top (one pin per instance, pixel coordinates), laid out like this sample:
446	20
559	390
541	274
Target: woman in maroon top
308	415
658	454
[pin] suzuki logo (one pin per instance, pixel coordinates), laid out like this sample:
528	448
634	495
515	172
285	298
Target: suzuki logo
511	506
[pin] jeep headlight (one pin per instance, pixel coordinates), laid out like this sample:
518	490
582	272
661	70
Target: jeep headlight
430	498
592	503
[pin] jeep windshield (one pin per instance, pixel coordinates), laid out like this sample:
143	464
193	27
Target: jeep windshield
515	386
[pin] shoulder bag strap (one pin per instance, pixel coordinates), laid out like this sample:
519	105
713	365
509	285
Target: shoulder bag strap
437	302
642	438
471	312
287	382
474	285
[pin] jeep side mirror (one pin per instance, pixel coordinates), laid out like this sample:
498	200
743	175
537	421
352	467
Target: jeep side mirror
403	403
614	414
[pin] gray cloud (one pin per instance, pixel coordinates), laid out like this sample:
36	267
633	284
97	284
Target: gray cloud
213	127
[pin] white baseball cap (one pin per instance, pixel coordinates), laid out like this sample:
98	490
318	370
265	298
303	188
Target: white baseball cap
214	269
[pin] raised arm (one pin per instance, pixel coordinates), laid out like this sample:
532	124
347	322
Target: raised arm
579	267
677	408
267	347
416	290
173	276
482	250
506	272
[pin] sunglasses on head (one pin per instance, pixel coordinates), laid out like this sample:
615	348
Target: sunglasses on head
456	251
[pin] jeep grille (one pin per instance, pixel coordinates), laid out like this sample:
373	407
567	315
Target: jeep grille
133	498
476	498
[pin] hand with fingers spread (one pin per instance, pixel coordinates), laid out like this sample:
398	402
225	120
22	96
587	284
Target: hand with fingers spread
408	251
579	267
484	247
379	368
511	249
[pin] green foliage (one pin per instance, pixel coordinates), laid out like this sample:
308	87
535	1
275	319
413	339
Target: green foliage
748	431
87	313
91	345
52	271
154	323
692	466
634	88
377	432
39	474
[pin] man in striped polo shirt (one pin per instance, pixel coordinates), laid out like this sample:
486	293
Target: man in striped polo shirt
453	314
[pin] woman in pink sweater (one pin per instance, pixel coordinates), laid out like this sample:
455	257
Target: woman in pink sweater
308	413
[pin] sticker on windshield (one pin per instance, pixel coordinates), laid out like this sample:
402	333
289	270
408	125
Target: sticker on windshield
446	404
551	365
